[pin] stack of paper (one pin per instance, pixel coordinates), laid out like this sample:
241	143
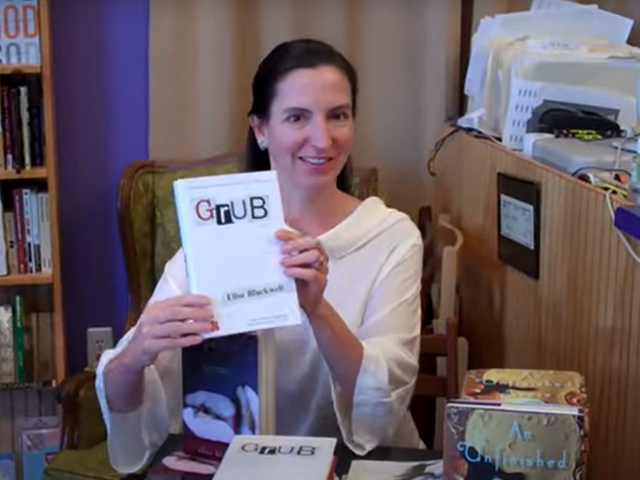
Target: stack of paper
563	34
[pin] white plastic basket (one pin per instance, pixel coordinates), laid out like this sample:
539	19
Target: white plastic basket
526	95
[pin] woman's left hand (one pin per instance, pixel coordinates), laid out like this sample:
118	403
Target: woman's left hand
306	261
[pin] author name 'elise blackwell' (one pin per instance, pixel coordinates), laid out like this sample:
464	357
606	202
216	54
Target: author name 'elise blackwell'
254	292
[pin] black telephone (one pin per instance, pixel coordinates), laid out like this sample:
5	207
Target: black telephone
575	121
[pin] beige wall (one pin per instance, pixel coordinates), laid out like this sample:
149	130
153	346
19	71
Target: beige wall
482	8
203	54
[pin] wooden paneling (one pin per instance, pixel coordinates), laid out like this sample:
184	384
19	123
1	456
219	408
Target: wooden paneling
581	315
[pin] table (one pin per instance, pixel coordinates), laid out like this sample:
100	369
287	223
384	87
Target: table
344	455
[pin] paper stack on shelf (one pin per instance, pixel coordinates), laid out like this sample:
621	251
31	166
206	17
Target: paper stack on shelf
557	51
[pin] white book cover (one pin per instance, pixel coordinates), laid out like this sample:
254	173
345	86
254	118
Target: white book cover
278	457
22	20
227	225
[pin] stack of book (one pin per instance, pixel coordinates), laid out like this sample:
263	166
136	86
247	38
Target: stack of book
227	227
517	424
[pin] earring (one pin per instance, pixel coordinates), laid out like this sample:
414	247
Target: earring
262	143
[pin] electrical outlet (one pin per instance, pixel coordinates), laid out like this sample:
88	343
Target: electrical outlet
99	339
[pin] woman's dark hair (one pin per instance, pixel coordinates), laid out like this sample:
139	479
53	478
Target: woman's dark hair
284	58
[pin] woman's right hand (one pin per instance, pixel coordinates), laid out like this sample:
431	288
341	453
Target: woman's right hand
170	324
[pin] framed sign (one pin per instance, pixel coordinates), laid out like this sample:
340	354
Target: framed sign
519	224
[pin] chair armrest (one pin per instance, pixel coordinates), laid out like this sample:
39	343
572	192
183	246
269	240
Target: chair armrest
82	425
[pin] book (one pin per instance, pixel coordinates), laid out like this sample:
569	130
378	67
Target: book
385	470
279	457
517	424
227	227
228	390
556	387
22	44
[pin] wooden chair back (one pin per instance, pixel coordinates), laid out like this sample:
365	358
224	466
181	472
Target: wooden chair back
432	386
433	346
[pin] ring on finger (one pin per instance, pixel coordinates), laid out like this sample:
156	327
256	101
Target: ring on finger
321	263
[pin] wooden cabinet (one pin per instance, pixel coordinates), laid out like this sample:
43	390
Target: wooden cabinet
582	314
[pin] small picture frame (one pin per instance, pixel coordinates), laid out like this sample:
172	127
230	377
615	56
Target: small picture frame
518	211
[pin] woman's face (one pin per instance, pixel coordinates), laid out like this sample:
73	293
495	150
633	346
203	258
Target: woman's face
310	129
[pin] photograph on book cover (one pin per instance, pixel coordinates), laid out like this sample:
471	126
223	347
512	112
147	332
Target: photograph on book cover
220	394
179	466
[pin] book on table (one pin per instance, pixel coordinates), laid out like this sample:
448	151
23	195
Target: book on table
279	457
227	227
511	424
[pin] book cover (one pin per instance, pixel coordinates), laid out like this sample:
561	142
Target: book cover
20	39
227	225
513	441
278	457
228	390
220	385
525	385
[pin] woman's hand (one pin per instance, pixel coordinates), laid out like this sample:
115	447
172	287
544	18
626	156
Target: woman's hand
170	324
306	261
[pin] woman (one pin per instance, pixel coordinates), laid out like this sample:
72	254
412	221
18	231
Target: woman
349	370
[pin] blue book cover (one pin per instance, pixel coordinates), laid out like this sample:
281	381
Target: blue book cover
7	466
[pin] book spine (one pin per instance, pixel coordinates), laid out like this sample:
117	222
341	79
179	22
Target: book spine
46	351
10	233
24	124
18	219
15	132
35	231
6	127
45	232
18	337
4	247
7	348
28	229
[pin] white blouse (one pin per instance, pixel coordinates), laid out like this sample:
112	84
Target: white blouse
375	265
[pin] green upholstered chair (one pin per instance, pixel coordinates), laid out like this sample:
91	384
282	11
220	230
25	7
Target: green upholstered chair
149	235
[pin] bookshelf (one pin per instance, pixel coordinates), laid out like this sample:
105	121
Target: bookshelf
30	280
32	339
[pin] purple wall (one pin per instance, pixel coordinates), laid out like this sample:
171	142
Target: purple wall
100	59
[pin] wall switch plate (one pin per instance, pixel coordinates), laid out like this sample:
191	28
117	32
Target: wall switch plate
99	339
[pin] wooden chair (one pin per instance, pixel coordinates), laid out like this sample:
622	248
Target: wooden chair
433	384
444	353
437	345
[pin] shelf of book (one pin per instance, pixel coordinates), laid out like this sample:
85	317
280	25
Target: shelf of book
32	333
29	246
33	173
24	279
19	69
